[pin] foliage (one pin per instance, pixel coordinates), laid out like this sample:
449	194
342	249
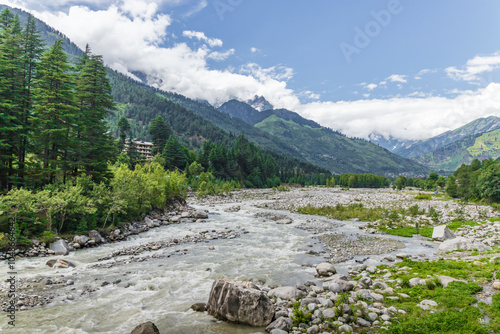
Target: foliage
423	197
300	315
86	205
341	212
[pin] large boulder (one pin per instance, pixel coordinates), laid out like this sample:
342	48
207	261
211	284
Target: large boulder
146	328
286	293
80	239
442	233
464	244
240	302
94	235
325	269
60	247
199	215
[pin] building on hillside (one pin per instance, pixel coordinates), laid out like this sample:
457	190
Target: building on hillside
143	148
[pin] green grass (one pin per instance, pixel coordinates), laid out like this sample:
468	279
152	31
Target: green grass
342	212
459	224
423	197
408	231
456	311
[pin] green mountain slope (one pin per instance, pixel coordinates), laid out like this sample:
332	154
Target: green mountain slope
480	146
421	147
337	152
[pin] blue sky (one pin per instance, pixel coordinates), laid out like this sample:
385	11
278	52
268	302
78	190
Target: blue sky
406	69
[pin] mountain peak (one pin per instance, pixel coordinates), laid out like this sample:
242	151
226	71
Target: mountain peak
260	103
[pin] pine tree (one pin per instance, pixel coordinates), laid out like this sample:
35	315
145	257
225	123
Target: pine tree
160	131
123	128
11	75
95	102
32	47
53	112
174	154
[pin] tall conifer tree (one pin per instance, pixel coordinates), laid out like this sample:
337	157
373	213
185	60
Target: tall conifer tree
54	112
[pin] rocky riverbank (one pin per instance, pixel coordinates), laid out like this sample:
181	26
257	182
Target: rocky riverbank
226	235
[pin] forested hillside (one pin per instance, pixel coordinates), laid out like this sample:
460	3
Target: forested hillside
478	146
322	146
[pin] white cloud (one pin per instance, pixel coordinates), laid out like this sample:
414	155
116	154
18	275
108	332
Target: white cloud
197	8
254	50
220	56
131	35
397	78
310	95
370	86
405	118
474	67
213	42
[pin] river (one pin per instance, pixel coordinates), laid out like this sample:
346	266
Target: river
162	289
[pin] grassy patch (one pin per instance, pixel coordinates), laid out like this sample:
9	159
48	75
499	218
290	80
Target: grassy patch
408	231
449	321
342	212
459	224
456	311
423	197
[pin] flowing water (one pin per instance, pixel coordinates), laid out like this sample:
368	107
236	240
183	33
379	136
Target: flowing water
162	289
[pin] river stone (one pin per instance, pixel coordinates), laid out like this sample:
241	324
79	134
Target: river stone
496	285
146	328
325	269
58	263
199	307
442	233
340	285
199	215
283	323
60	247
240	302
149	222
345	329
285	221
427	304
363	323
445	280
463	243
80	240
329	313
94	235
277	331
286	293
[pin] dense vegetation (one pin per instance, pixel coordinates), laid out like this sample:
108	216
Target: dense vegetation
479	181
52	115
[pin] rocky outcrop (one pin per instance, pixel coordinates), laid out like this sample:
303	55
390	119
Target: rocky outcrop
240	302
464	244
442	233
146	328
60	247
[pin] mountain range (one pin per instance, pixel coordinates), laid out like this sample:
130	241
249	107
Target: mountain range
478	139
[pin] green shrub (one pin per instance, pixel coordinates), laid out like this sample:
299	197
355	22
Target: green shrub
423	197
